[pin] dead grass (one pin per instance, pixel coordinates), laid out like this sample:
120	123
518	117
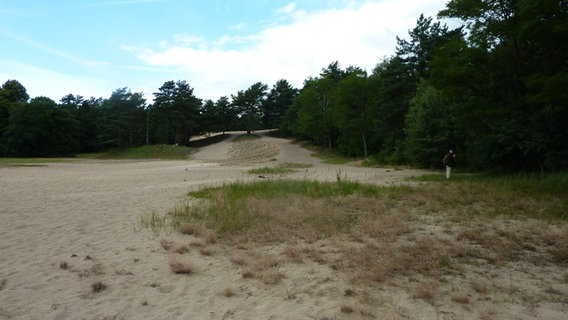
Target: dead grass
293	254
480	287
486	313
206	251
98	286
94	270
174	247
461	298
426	291
3	283
346	309
227	292
192	228
257	265
425	236
179	266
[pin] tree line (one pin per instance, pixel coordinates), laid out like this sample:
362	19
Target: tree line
493	89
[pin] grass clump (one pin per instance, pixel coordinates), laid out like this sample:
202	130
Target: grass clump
275	210
535	195
153	221
282	169
375	233
179	266
160	151
29	162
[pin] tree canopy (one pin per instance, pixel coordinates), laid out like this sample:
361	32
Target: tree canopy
493	89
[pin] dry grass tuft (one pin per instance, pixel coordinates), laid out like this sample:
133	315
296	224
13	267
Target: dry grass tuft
98	286
270	276
179	248
227	292
206	251
349	292
387	227
258	266
480	287
178	266
486	313
316	255
426	291
293	253
346	309
367	314
248	274
461	298
189	228
166	244
210	236
174	247
240	260
94	270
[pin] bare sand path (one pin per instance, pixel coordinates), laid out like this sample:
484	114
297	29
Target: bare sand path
67	226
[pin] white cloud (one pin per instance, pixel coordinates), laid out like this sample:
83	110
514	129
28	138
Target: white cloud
357	34
188	39
239	26
287	9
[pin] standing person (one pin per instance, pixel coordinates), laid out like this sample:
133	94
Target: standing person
450	161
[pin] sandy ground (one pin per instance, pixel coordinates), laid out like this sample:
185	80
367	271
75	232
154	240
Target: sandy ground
67	226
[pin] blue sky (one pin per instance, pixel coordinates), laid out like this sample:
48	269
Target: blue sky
93	47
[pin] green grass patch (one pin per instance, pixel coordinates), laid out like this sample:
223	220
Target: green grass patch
336	160
154	222
331	157
280	169
524	194
275	210
326	155
29	162
271	189
161	151
249	209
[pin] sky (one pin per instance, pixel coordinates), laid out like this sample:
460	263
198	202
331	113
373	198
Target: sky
94	47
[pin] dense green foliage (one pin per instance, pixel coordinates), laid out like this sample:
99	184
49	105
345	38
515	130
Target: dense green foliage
493	89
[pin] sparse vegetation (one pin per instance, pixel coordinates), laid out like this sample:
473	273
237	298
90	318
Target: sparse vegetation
179	266
424	232
160	151
281	169
347	309
153	221
227	292
29	162
98	286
